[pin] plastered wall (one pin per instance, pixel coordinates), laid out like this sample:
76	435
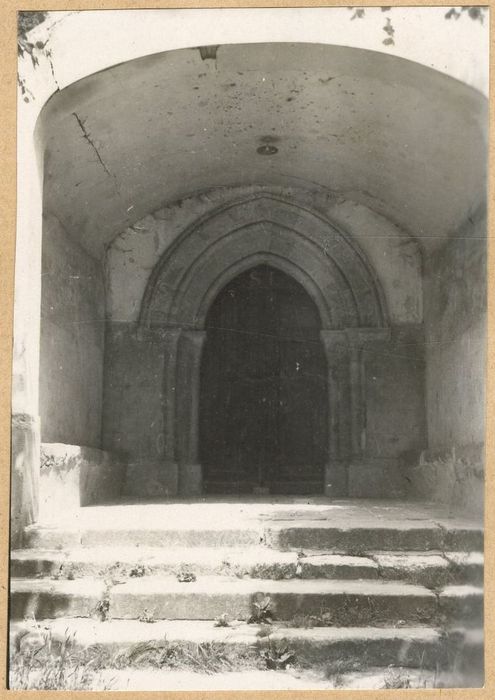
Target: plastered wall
72	340
452	469
455	319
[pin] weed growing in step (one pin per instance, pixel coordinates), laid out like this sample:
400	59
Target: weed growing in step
278	656
64	572
57	575
233	570
119	572
114	574
147	616
262	612
52	665
276	572
301	621
185	575
336	669
222	621
396	678
207	657
102	609
322	619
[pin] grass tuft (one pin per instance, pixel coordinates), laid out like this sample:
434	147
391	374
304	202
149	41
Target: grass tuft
40	662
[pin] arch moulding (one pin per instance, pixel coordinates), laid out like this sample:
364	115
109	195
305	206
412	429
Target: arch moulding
204	258
333	270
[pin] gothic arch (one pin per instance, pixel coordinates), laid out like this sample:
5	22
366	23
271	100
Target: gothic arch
267	229
264	229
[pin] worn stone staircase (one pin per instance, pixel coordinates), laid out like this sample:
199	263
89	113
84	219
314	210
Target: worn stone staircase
335	589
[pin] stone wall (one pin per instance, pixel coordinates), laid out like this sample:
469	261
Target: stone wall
72	476
72	340
133	409
455	333
395	415
134	364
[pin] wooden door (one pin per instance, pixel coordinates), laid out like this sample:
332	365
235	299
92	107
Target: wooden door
263	398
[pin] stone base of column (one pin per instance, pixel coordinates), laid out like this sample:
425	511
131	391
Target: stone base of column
190	480
336	479
151	478
170	478
373	477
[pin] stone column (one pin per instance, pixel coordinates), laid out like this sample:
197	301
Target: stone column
170	340
335	343
360	340
358	400
189	351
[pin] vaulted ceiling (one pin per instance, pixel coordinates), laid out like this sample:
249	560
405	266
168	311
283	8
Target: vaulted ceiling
403	139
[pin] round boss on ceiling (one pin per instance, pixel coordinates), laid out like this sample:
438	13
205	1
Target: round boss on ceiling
267	150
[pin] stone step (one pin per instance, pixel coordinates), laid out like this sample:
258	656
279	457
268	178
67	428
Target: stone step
465	650
283	535
341	602
390	536
379	678
470	565
46	537
306	487
133	562
462	604
119	640
45	598
254	680
249	680
430	569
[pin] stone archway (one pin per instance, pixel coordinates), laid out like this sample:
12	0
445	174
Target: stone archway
268	230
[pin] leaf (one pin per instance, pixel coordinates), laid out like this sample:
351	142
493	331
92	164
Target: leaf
388	28
453	13
358	14
475	13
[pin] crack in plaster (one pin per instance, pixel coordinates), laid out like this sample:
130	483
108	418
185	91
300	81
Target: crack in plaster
91	143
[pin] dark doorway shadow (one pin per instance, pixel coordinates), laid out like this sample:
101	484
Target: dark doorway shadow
263	397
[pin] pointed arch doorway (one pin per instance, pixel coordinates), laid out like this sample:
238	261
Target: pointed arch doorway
263	229
263	421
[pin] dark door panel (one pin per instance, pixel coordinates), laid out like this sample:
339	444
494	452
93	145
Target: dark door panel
263	416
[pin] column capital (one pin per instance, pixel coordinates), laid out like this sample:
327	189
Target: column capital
333	336
335	342
193	336
157	333
362	337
